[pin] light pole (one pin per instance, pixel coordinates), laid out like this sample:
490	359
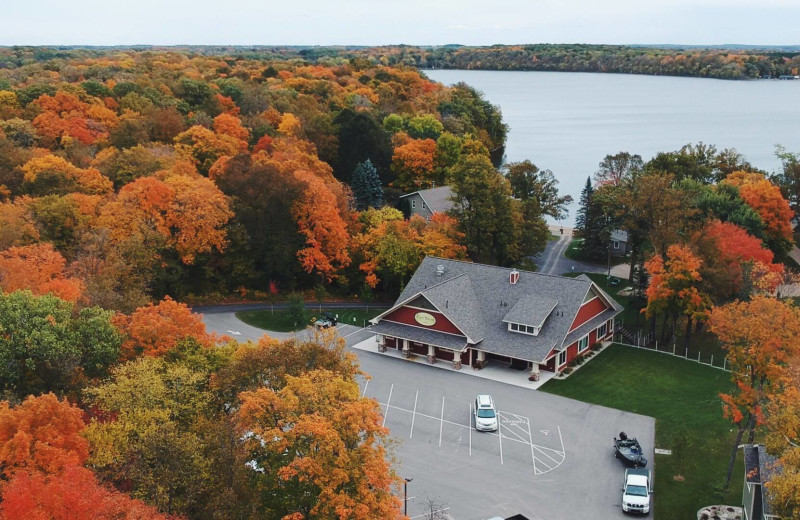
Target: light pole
405	495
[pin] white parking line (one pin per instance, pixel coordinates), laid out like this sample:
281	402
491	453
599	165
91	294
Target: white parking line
365	388
413	415
386	413
500	436
441	423
470	428
354	332
533	457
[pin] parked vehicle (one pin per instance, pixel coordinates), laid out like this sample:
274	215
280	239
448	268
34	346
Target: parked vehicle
485	414
629	451
636	491
327	320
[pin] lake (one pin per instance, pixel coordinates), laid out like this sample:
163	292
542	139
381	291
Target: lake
567	122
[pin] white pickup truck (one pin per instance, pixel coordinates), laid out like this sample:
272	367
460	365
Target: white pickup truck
636	491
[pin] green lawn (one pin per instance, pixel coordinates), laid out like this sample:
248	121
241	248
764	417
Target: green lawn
683	397
280	321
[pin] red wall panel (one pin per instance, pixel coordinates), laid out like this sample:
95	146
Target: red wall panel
587	312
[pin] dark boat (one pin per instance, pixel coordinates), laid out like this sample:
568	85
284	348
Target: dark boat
629	451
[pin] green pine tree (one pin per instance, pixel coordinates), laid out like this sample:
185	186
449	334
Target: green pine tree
366	185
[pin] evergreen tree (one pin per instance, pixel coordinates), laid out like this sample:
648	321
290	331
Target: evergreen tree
583	210
366	185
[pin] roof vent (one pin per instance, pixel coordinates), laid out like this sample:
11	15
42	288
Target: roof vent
440	270
513	277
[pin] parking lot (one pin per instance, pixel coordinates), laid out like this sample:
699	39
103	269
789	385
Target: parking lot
449	424
551	457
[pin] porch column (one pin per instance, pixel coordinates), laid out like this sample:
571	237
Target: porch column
431	354
406	350
456	360
381	339
481	361
534	376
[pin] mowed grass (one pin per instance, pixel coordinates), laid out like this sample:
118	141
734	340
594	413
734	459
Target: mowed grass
279	320
683	396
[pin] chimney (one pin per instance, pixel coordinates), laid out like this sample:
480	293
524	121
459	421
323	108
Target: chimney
513	277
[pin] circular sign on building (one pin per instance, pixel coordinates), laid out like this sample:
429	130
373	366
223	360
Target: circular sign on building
424	318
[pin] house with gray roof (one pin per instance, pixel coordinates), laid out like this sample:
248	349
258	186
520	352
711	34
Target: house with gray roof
427	202
759	467
619	243
474	314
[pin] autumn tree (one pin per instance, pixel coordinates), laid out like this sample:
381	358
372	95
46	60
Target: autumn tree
325	232
41	434
674	290
759	337
166	441
45	346
766	199
157	328
782	424
51	174
204	146
72	493
318	449
618	168
413	164
728	251
40	269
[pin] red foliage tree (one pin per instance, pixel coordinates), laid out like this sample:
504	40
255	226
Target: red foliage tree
39	268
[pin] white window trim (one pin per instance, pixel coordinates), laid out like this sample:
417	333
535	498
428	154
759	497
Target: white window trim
616	244
423	205
604	333
413	204
523	329
584	349
564	353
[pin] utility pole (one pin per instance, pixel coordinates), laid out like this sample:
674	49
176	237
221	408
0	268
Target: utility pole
405	495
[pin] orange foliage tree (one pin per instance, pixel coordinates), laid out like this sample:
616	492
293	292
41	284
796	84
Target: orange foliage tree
322	448
41	434
39	268
394	247
155	329
674	290
188	212
766	199
413	162
72	494
64	115
227	124
204	146
325	232
759	337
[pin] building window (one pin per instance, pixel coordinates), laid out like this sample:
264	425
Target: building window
601	331
423	205
610	326
583	344
616	244
562	357
413	204
428	219
524	329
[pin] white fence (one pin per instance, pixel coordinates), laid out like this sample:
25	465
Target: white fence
675	352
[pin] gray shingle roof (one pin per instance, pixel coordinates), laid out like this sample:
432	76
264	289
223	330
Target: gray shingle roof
483	296
437	199
531	309
427	336
767	467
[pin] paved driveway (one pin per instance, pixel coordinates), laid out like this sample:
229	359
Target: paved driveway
551	459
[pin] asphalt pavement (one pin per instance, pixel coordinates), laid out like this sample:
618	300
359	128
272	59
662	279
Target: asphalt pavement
551	459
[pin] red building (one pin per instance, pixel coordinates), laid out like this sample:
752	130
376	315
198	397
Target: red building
474	314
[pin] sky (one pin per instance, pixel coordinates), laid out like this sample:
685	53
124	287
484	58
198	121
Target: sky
413	22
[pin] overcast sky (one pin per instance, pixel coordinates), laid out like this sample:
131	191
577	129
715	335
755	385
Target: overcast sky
416	22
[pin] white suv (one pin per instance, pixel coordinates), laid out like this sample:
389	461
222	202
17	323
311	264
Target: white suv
485	414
